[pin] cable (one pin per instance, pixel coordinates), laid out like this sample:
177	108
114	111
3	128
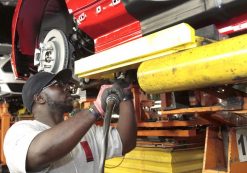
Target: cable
112	100
111	167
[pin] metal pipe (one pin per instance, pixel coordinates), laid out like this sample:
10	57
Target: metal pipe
223	62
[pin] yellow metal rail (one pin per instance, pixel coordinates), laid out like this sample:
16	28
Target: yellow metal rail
131	54
218	63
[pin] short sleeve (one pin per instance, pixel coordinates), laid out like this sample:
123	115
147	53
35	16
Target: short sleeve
16	143
115	147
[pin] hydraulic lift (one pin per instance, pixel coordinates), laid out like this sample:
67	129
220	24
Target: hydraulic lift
200	84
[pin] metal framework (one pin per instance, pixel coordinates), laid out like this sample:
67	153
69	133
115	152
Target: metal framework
200	105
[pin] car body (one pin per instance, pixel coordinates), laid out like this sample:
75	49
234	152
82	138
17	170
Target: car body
103	24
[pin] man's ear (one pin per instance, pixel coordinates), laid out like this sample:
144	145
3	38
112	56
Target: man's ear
39	98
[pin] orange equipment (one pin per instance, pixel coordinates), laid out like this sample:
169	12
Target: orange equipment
5	124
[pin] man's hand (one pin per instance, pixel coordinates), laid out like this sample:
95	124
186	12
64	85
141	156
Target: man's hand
126	87
122	92
105	91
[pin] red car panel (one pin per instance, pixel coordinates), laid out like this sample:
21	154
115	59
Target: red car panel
107	23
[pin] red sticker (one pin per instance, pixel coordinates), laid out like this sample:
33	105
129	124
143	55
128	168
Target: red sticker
87	150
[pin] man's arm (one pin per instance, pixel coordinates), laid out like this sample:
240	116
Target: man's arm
127	126
54	143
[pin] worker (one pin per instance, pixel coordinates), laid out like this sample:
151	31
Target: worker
50	144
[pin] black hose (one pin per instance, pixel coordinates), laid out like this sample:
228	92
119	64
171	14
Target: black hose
112	100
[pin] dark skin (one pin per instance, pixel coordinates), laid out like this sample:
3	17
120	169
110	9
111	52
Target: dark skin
49	108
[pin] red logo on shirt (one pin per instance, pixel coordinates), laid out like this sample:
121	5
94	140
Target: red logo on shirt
87	150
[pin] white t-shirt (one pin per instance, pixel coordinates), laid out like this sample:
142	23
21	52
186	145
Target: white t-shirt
83	158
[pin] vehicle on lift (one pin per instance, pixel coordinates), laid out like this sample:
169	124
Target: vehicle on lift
98	25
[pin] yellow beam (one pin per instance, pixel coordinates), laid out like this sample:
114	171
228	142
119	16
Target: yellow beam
218	63
131	54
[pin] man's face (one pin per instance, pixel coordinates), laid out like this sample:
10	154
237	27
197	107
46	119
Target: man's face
58	96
